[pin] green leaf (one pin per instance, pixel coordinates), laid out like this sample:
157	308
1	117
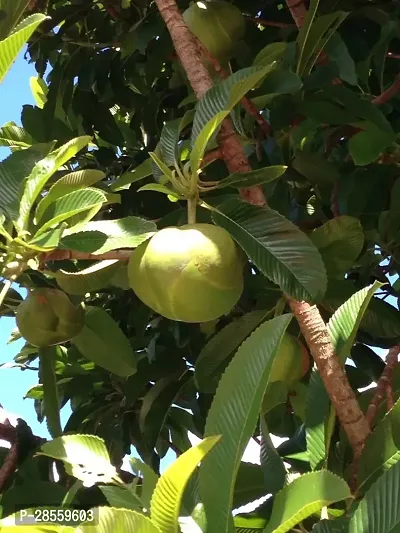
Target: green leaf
42	172
67	184
203	138
233	414
342	328
110	520
69	205
12	45
315	168
270	53
241	180
141	171
338	52
169	142
271	462
277	247
305	496
12	14
379	510
149	479
13	172
39	90
157	187
366	146
102	236
121	498
84	456
215	354
382	448
340	242
47	357
15	137
104	343
161	165
304	33
167	497
93	278
368	361
249	485
225	95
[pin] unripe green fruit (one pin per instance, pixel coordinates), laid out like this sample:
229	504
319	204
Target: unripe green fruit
193	273
291	362
48	317
217	24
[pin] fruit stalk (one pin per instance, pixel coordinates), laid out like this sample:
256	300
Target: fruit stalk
191	209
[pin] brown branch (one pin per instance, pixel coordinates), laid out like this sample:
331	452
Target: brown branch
9	466
189	55
211	156
298	11
270	23
392	55
332	373
389	93
384	383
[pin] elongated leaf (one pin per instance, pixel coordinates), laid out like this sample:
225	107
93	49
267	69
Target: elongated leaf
13	11
167	497
14	136
140	172
305	496
103	342
157	187
339	241
382	448
85	457
13	172
70	205
149	479
110	520
97	276
366	146
304	32
315	167
203	138
277	247
67	184
249	484
169	142
251	179
12	45
215	354
47	357
271	462
342	328
270	53
379	510
121	498
39	90
233	414
100	236
331	526
42	172
225	95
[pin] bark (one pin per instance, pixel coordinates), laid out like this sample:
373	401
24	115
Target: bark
189	54
298	11
9	466
332	373
384	386
390	93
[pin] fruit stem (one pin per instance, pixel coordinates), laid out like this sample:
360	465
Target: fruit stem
191	209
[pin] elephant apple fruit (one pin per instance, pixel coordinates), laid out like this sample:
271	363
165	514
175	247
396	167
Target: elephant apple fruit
218	25
47	317
291	362
191	273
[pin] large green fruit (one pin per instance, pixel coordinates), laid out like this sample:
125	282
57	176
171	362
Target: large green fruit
217	24
193	273
291	362
48	317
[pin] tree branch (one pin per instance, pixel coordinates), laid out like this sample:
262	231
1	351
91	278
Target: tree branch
384	383
189	54
61	255
270	23
298	11
389	93
9	466
332	373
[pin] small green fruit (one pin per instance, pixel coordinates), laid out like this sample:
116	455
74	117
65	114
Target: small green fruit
193	273
291	362
218	25
48	317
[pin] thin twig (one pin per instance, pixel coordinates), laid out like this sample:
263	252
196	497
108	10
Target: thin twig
61	255
383	383
270	23
390	93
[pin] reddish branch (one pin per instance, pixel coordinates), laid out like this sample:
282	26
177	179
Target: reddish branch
332	373
390	93
189	54
211	156
384	387
60	255
9	466
272	23
298	11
